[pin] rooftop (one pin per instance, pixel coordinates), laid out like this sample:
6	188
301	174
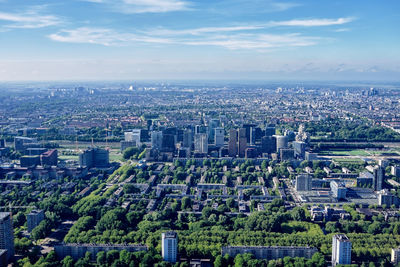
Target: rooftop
4	215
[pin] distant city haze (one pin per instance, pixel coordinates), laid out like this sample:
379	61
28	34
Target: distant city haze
187	39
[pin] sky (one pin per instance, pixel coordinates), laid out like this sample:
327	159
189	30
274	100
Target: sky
186	39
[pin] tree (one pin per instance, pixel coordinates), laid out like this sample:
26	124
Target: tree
219	262
239	261
67	262
298	214
101	258
186	203
130	152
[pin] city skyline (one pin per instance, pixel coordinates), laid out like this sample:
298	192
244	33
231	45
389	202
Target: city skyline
179	39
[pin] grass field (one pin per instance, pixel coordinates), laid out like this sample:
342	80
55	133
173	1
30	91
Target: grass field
345	152
349	161
70	148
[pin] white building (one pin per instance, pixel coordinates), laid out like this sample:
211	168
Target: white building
395	259
201	143
341	250
134	135
169	243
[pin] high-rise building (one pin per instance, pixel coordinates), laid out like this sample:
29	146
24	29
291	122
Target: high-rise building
34	218
22	143
169	246
379	175
339	190
395	170
248	130
94	158
7	234
270	130
268	144
212	125
201	143
156	139
395	258
49	158
133	135
200	129
188	139
3	257
286	154
304	182
242	145
232	144
341	250
168	142
219	136
299	149
388	199
281	142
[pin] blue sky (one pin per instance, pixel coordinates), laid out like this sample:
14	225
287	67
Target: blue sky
187	39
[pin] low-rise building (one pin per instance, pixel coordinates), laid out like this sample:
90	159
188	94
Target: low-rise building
270	253
77	251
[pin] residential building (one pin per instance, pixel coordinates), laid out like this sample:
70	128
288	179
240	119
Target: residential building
29	161
77	251
338	190
49	158
341	250
270	253
7	234
3	257
395	258
304	182
388	199
395	171
169	246
379	175
34	218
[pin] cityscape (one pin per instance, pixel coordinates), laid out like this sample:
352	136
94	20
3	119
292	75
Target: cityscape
190	133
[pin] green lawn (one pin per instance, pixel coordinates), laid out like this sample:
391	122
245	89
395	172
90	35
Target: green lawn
345	152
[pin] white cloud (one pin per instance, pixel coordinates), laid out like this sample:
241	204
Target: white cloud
204	30
29	19
342	30
108	37
257	41
155	6
311	22
293	23
145	6
231	37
